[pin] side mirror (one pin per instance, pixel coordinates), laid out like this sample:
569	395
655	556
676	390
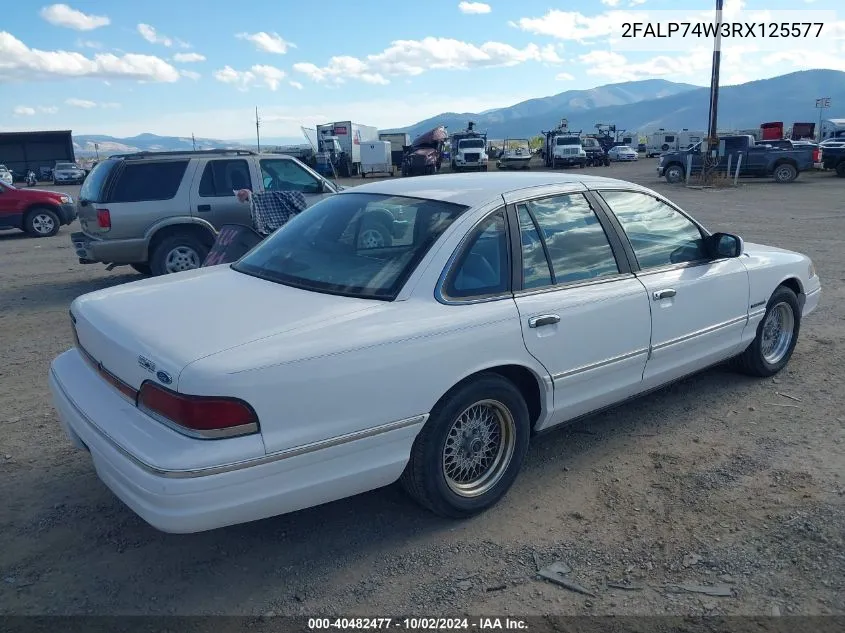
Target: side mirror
726	245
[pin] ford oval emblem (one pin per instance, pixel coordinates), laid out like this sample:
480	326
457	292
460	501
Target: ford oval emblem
164	377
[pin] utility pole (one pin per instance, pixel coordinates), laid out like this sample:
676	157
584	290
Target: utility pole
194	141
257	134
712	128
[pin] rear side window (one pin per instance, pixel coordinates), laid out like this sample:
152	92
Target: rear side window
224	177
93	189
142	182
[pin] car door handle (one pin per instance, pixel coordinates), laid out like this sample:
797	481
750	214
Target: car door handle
664	294
543	319
204	207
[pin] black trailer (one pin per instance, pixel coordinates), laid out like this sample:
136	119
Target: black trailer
36	151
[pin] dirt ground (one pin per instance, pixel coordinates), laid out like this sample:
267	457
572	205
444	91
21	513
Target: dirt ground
717	480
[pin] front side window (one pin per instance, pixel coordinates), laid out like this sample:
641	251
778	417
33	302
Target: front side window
575	241
141	182
659	234
352	244
482	269
281	174
223	177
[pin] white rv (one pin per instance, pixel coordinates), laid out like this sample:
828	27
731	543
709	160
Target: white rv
832	129
661	141
687	139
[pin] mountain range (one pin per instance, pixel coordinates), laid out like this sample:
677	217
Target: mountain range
637	105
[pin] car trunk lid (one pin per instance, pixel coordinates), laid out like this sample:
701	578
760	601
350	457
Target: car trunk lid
152	329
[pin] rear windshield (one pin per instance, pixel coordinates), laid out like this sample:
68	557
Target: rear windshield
66	166
93	188
353	244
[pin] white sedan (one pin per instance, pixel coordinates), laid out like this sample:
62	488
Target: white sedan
316	368
622	153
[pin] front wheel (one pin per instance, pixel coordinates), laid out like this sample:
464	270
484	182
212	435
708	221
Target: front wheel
674	174
470	451
840	169
42	222
777	335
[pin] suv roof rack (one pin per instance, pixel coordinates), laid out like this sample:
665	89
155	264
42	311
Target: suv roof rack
175	153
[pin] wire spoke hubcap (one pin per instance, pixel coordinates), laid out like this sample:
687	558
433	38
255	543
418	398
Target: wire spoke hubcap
777	333
479	447
182	258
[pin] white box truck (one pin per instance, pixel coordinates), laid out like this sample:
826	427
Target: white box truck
349	136
375	158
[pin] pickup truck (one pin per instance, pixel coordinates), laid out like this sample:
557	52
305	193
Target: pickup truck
757	160
833	157
40	213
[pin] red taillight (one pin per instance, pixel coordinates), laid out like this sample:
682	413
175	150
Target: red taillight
817	155
204	416
103	218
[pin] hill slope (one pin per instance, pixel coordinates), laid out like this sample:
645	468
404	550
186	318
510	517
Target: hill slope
786	98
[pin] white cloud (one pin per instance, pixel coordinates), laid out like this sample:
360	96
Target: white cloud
564	77
88	44
474	8
110	105
153	36
63	15
634	3
24	111
190	74
19	62
572	25
188	58
267	42
270	76
81	103
616	67
295	84
611	3
414	57
48	109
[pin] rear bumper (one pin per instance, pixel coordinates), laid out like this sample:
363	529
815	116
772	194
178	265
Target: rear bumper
109	251
186	501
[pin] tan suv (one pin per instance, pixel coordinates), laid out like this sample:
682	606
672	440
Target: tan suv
159	211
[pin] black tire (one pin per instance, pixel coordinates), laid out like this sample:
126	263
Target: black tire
144	269
41	222
425	477
753	361
840	169
785	172
164	259
665	147
674	173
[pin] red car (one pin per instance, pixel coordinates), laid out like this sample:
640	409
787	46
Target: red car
38	212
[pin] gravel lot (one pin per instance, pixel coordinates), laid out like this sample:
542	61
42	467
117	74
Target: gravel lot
718	479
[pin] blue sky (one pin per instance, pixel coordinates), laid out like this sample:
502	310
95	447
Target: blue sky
178	67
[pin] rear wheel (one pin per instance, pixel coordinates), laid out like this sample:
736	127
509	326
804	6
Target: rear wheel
470	451
785	172
177	253
840	169
41	222
777	335
374	235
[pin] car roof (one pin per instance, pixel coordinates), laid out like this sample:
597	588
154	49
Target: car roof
476	189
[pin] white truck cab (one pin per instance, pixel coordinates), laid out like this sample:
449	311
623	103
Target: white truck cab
471	153
568	150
